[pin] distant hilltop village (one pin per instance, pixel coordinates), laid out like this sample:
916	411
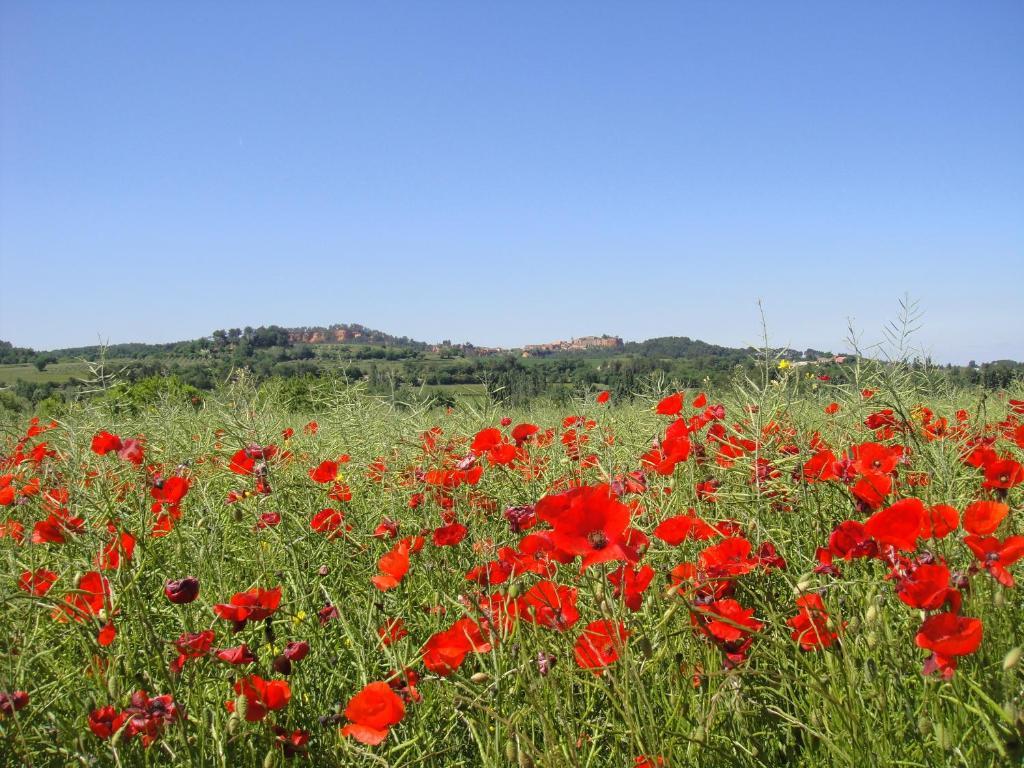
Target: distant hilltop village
573	345
358	334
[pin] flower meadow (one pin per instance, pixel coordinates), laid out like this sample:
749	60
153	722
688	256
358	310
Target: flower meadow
776	576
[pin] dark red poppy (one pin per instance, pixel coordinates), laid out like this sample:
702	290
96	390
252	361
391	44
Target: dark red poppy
182	591
240	654
11	702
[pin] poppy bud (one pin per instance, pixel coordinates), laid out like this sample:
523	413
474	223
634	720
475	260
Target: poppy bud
182	591
480	677
282	665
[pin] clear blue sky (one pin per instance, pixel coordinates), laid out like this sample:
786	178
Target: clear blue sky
513	173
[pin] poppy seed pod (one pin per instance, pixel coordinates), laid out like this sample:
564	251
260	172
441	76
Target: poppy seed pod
182	591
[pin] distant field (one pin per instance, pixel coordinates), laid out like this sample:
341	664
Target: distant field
58	372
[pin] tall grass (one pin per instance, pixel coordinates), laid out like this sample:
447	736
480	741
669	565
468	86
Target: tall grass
862	702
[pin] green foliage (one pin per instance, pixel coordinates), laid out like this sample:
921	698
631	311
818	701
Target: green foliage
863	702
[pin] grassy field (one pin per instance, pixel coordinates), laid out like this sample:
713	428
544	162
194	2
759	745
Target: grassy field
753	577
58	372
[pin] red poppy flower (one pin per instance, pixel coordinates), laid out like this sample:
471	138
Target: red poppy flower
983	517
261	696
630	583
676	530
253	605
1003	473
37	582
550	605
604	397
449	535
292	742
330	523
947	636
170	490
810	625
849	540
91	595
898	525
120	548
821	467
106	721
191	646
872	490
392	631
926	587
392	566
939	521
485	439
599	645
326	472
373	711
671	405
728	625
502	454
242	463
588	521
729	558
104	442
875	459
996	556
12	702
57	527
445	651
523	432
